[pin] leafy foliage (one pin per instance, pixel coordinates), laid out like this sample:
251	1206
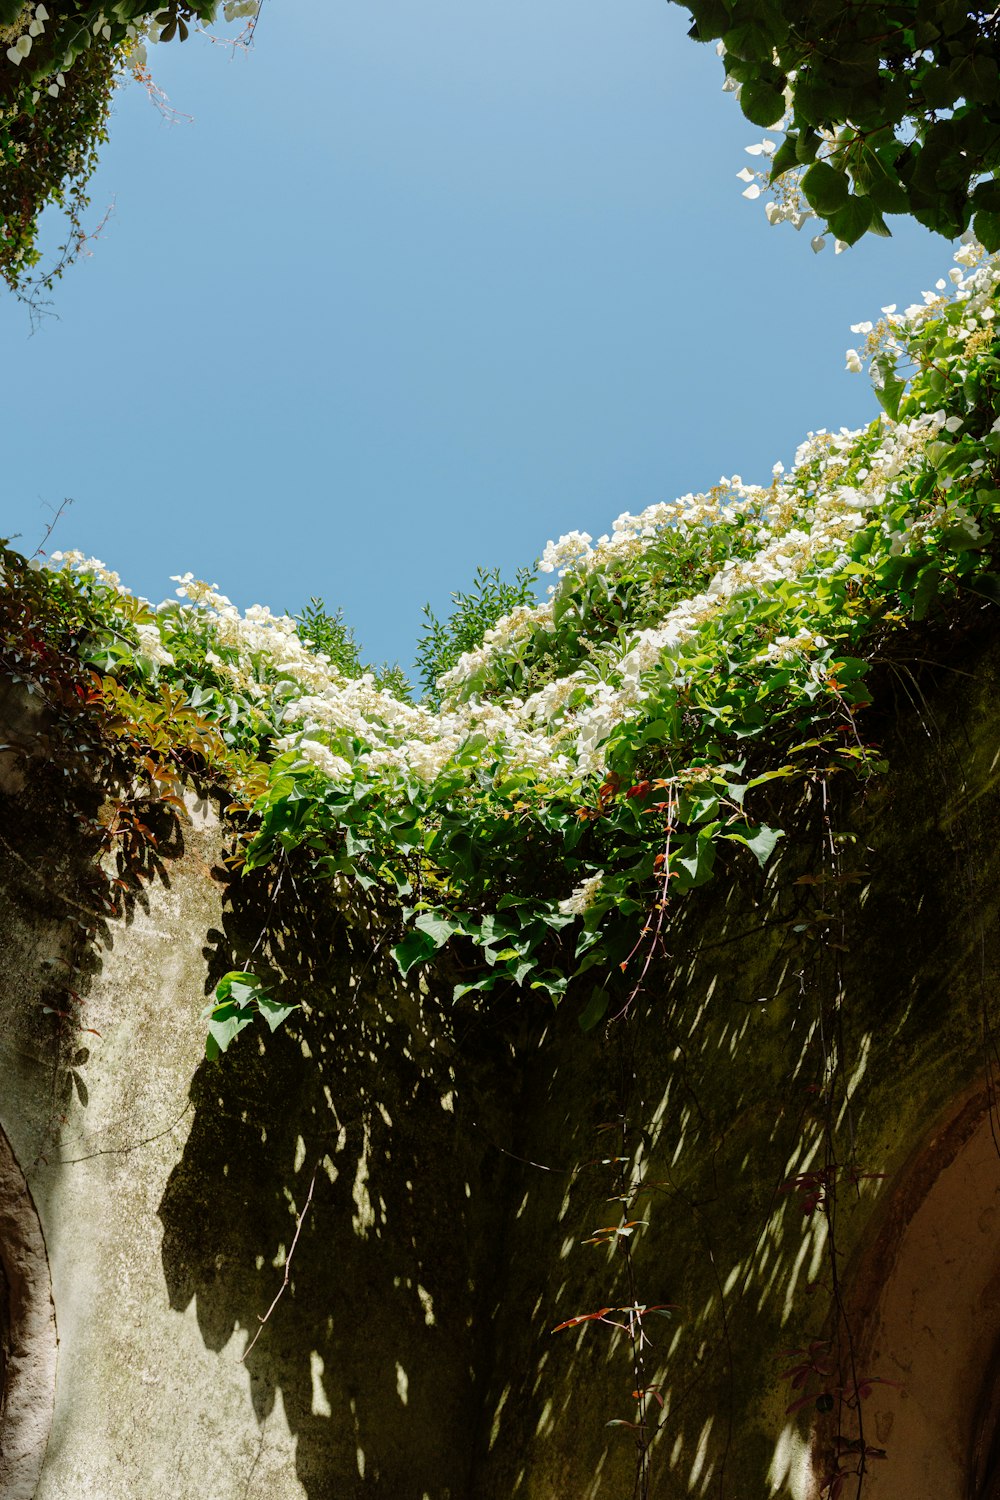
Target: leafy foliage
330	635
239	999
445	641
49	154
888	108
59	66
596	756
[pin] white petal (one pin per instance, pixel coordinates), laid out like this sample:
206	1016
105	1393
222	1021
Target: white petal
745	174
817	242
753	191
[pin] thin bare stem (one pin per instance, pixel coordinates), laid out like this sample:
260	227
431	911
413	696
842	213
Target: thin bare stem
50	528
288	1266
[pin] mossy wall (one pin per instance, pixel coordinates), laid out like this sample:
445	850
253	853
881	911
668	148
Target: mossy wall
457	1158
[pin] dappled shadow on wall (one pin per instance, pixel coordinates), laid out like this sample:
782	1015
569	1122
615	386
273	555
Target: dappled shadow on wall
714	1054
376	1345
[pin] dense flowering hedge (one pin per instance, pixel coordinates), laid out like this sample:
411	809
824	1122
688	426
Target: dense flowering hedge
601	752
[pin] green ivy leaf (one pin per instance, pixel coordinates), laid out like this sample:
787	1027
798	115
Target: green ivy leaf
694	859
760	841
826	189
850	222
979	78
762	103
436	926
786	156
225	1022
595	1009
986	227
711	19
889	394
749	41
985	584
987	196
274	1012
415	948
240	987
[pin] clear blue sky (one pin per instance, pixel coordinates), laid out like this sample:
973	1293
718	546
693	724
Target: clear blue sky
421	286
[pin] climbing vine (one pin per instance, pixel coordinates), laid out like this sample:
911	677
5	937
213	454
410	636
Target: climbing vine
615	745
585	760
59	67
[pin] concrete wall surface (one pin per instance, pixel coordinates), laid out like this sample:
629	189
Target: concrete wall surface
443	1167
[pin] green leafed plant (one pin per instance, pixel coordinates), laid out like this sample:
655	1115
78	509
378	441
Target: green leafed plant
239	1000
881	108
444	642
60	64
588	760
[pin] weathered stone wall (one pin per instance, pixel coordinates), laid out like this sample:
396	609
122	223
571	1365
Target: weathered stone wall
168	1190
458	1160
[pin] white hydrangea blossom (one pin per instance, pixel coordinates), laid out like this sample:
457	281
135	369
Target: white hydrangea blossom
151	646
92	565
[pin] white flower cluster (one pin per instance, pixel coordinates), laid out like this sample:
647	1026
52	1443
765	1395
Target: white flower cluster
93	566
972	282
565	554
351	726
582	898
786	647
502	639
151	647
787	204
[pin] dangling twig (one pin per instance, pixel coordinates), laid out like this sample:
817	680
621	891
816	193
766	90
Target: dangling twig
288	1265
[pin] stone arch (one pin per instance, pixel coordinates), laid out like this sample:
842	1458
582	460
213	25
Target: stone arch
924	1303
28	1340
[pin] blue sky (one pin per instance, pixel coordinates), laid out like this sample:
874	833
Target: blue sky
421	285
